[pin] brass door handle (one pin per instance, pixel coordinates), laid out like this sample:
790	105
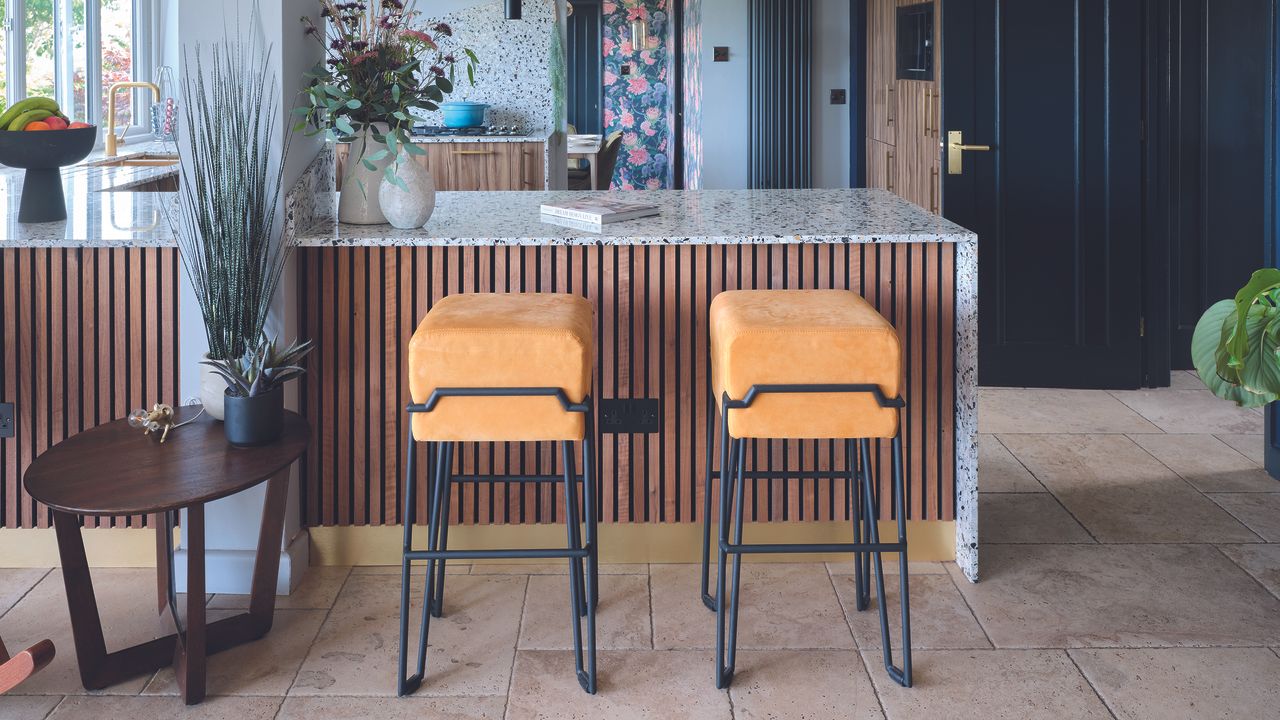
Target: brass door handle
888	170
889	110
956	149
933	189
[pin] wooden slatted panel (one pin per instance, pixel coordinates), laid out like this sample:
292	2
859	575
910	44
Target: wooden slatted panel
89	335
651	312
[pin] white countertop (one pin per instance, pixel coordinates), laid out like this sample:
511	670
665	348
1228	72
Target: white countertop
688	216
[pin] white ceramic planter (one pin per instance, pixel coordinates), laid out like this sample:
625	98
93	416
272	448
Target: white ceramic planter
409	207
358	200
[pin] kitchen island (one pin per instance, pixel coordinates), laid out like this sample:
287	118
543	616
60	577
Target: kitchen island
363	289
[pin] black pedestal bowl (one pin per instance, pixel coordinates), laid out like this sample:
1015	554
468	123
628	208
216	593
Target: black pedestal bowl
41	153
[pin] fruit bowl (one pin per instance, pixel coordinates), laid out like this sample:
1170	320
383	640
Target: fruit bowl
41	154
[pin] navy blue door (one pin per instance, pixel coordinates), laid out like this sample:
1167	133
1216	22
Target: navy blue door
586	63
1056	90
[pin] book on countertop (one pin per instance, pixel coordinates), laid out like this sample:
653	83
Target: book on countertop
573	224
600	211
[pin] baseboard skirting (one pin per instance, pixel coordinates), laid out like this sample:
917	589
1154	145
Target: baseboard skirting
623	542
380	544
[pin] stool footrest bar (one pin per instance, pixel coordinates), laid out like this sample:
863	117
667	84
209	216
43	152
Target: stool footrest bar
770	549
521	553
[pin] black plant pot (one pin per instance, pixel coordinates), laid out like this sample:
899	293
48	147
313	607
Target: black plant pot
250	421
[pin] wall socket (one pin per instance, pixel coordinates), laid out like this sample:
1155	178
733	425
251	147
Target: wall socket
838	97
7	420
629	415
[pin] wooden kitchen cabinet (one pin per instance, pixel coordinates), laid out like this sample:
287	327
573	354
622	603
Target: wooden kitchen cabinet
882	83
475	165
881	165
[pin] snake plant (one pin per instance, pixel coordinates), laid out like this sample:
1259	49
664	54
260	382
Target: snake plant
262	368
1236	344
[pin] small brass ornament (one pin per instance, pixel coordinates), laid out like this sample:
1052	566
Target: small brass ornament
158	419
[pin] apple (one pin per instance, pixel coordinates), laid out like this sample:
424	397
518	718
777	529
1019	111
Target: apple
56	123
78	125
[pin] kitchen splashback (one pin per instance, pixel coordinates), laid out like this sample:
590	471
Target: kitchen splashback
514	73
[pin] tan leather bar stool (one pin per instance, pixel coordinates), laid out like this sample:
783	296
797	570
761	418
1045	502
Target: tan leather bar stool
502	368
789	364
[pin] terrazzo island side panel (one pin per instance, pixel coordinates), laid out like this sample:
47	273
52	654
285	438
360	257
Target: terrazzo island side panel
362	303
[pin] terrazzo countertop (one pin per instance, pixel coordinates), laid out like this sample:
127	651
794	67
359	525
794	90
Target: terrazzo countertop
688	216
101	210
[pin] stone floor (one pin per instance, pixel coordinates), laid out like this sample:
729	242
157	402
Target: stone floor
1131	569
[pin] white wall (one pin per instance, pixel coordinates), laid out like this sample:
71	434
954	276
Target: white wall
726	94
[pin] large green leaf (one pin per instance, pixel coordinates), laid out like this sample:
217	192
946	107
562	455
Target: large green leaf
1207	346
1261	283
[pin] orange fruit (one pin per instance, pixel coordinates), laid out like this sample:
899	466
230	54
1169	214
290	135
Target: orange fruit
37	125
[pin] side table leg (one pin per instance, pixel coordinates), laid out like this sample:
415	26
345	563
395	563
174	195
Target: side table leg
266	567
86	626
189	653
160	522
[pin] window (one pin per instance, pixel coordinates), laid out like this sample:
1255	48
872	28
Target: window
73	50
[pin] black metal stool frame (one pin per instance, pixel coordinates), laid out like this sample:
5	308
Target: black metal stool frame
583	599
866	534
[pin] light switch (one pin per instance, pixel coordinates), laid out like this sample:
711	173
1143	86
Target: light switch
720	54
626	70
838	97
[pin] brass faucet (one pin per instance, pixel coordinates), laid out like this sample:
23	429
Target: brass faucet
111	139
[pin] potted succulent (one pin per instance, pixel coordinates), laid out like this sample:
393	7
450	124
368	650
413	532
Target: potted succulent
254	402
379	66
228	233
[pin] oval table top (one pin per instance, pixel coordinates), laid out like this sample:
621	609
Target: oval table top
114	469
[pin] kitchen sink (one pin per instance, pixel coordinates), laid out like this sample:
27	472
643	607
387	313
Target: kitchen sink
139	160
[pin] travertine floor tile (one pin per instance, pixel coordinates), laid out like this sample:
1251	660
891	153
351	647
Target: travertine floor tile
1026	518
1260	561
622	618
1118	596
470	647
915	568
16	582
392	708
214	708
1190	411
1000	471
263	667
783	606
30	707
318	590
988	684
1034	410
636	685
802	684
1260	511
1185	380
1185	683
939	616
127	603
1208	463
1121	493
1251	446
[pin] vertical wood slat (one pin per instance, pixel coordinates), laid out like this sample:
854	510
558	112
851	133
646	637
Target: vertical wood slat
660	290
88	335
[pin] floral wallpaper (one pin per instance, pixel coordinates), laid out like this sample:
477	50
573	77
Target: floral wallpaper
692	94
638	104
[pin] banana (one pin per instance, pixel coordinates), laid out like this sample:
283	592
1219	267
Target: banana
27	118
48	106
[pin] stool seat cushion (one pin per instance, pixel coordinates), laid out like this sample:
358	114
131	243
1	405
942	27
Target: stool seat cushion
502	340
761	337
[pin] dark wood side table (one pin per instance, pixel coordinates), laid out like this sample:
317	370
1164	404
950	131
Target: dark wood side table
114	469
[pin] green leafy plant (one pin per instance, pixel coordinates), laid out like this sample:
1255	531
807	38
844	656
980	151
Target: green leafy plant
378	67
262	368
225	224
1235	345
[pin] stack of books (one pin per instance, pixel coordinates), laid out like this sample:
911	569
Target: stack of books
593	213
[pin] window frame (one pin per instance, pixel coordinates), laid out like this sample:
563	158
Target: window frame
144	57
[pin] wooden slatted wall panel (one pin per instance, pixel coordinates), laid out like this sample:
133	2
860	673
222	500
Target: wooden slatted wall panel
361	306
89	335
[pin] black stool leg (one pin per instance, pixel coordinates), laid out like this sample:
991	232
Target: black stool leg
853	462
712	411
726	647
446	492
587	678
576	599
900	676
406	685
439	488
574	521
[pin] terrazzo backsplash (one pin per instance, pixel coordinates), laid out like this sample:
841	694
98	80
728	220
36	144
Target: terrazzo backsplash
514	74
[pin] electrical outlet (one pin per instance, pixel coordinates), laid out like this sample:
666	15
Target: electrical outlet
629	416
720	54
7	420
838	97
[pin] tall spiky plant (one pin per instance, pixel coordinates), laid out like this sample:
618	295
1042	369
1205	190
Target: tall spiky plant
231	181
